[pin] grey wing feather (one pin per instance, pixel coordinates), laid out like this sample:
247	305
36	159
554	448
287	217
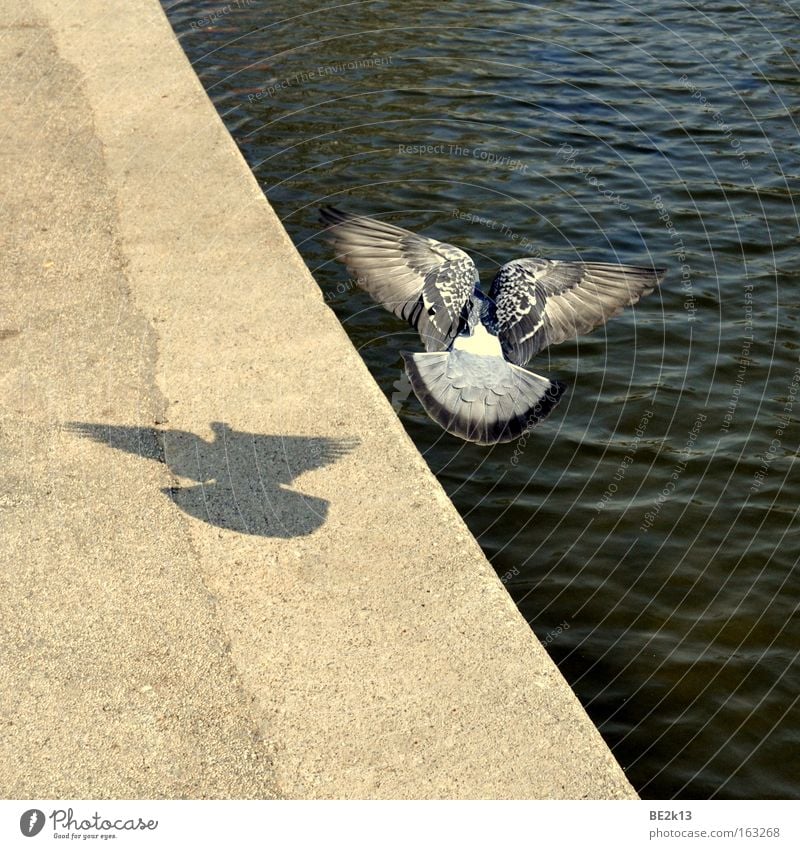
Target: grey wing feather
427	283
540	302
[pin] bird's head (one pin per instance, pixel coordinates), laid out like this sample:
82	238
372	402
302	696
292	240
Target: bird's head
220	429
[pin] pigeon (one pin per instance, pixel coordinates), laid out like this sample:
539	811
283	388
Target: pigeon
471	379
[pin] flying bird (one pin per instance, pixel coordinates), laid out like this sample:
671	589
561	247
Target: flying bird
471	378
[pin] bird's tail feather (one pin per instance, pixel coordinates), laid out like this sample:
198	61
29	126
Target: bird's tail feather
481	399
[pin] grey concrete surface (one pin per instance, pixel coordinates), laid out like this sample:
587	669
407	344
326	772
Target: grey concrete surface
226	570
116	677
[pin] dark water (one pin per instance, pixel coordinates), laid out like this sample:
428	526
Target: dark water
655	513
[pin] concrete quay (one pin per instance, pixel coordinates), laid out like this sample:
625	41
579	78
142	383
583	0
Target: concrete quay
226	570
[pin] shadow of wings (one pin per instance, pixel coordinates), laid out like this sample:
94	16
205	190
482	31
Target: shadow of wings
242	481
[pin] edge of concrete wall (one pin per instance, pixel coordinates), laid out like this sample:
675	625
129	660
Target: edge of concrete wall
380	653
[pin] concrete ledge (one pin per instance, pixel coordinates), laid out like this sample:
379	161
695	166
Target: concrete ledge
229	572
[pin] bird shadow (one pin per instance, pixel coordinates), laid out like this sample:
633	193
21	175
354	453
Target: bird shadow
241	480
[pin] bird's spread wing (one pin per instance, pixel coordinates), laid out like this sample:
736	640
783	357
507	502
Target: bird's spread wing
425	282
275	458
142	441
541	302
288	457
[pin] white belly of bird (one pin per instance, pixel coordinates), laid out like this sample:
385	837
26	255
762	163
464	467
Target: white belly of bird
481	342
